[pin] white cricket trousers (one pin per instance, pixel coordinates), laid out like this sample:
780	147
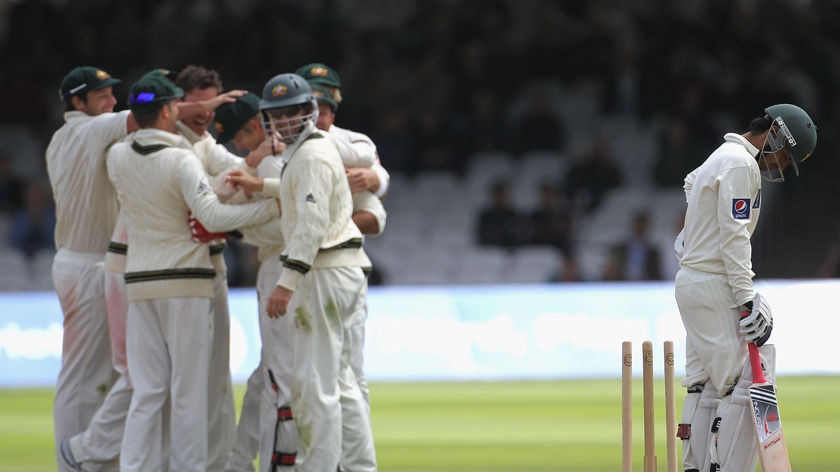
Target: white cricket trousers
255	431
714	349
328	407
357	347
86	372
168	347
100	442
221	411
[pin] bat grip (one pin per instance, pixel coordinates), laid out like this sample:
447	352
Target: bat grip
755	359
755	363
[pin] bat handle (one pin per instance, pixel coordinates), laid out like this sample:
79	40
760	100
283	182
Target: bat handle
755	360
755	363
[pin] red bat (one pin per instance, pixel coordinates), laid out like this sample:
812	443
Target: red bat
772	449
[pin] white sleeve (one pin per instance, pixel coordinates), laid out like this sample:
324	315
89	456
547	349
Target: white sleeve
313	187
226	192
219	159
384	179
735	247
266	234
354	152
206	207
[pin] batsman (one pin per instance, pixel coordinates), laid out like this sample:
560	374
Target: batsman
714	286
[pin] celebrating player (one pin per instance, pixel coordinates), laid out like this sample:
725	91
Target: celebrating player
86	213
169	281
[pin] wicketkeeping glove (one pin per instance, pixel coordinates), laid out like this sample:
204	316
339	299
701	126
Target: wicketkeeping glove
200	234
758	324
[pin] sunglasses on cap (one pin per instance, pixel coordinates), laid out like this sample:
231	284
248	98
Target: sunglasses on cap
143	98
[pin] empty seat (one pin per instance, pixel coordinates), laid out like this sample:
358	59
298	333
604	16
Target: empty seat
533	264
482	265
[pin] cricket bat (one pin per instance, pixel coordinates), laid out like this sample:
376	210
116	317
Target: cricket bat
772	449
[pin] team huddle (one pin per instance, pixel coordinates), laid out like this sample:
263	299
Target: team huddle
145	199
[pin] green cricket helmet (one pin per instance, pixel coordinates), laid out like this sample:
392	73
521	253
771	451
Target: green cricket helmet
794	131
287	104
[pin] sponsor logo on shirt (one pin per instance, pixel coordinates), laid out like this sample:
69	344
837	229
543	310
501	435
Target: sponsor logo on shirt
741	208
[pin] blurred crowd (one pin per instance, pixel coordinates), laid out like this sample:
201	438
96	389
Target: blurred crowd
435	82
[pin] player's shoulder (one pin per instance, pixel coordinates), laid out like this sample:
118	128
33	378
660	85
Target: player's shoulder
318	145
349	135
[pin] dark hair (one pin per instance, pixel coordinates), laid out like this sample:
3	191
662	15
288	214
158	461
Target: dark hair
760	124
69	105
198	77
146	117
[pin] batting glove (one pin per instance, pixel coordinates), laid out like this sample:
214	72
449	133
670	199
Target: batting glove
758	324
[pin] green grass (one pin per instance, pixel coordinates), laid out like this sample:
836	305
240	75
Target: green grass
570	425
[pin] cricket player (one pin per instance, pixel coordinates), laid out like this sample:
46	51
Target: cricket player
368	186
99	444
320	283
86	213
240	123
714	285
200	85
169	280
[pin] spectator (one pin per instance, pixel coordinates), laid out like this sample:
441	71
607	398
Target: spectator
32	226
592	175
499	223
551	221
637	257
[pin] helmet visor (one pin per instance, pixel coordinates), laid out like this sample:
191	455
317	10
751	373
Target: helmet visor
775	152
288	121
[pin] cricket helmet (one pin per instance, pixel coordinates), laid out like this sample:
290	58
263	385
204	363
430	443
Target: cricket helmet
288	104
793	130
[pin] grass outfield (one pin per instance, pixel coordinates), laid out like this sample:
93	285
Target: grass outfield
570	425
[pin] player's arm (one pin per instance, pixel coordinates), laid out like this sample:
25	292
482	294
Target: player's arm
313	189
354	152
214	215
368	213
375	179
265	234
733	230
268	186
189	109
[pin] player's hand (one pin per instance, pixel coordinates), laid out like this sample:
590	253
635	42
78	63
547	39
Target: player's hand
276	143
361	179
757	325
228	97
266	148
278	302
199	233
247	182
